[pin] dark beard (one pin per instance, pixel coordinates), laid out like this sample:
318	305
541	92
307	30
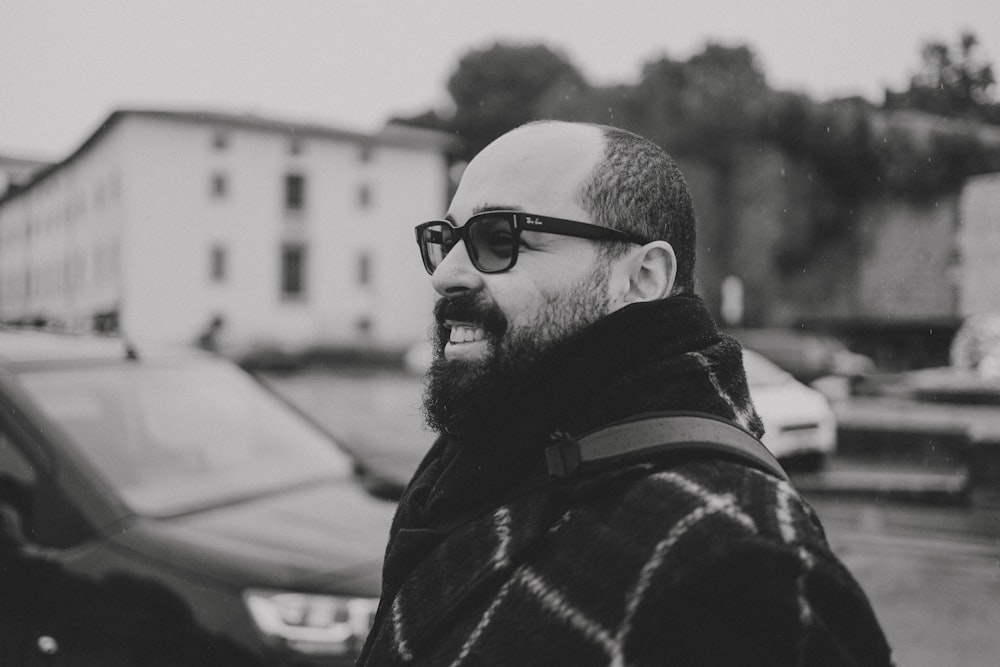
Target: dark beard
469	398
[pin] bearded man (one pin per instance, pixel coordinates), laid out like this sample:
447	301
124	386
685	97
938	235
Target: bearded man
565	269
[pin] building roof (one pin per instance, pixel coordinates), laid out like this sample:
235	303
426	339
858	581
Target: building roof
24	345
30	348
21	164
393	135
16	171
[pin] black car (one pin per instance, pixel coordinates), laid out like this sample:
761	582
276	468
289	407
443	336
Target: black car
164	508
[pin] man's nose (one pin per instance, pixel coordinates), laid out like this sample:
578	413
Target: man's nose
456	274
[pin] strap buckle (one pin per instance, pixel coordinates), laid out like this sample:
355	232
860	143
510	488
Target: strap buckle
563	455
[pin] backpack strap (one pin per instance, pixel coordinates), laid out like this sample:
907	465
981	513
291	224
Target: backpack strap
656	433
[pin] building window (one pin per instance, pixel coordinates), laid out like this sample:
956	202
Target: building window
364	269
217	264
364	326
365	196
295	192
293	271
80	269
115	257
366	153
68	284
220	140
98	263
295	146
220	186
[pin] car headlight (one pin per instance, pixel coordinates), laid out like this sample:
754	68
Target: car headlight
310	623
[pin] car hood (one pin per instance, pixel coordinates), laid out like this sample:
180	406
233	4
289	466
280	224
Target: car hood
327	537
789	404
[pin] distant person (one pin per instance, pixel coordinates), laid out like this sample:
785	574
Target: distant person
209	338
976	346
565	271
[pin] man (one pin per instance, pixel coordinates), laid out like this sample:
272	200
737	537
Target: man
548	329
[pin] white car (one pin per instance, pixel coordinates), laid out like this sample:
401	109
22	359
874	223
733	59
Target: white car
799	424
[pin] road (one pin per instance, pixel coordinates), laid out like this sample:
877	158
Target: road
931	572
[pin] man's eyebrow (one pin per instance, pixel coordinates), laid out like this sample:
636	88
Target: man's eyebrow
486	208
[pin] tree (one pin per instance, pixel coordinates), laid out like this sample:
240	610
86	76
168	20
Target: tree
499	88
705	105
952	81
726	93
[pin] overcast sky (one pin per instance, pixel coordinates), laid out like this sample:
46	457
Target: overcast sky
66	64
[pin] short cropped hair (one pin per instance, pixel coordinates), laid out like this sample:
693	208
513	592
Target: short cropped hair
636	187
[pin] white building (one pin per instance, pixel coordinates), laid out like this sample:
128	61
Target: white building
978	245
296	235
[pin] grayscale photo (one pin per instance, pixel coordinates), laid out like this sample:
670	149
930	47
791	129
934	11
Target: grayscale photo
456	333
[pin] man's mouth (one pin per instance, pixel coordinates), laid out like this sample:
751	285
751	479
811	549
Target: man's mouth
468	327
465	333
466	341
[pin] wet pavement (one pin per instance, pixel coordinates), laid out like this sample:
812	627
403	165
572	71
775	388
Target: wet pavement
882	480
932	574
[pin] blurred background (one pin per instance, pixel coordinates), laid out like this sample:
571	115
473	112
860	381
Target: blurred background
171	165
244	177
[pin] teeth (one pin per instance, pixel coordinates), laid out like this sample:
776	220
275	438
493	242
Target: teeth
464	334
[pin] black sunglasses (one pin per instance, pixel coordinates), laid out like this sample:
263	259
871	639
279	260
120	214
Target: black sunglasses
492	238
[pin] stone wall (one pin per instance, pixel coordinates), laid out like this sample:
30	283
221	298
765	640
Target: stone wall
891	258
908	259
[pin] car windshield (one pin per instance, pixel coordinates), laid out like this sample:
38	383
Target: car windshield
185	435
761	372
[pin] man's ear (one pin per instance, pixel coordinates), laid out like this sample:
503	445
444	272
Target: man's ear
652	270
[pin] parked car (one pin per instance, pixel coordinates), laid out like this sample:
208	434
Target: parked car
799	423
807	355
161	507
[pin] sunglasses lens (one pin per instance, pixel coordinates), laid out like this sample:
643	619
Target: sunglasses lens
435	243
491	242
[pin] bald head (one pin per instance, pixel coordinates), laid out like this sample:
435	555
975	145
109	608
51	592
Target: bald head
592	173
540	167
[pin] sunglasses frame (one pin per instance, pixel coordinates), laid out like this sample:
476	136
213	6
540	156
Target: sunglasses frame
521	222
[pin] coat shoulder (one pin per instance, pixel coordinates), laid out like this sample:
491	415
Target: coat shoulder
708	545
724	500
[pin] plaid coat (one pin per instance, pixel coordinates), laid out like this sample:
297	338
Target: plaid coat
700	563
667	560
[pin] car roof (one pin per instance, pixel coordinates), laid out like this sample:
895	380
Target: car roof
763	336
761	370
25	347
